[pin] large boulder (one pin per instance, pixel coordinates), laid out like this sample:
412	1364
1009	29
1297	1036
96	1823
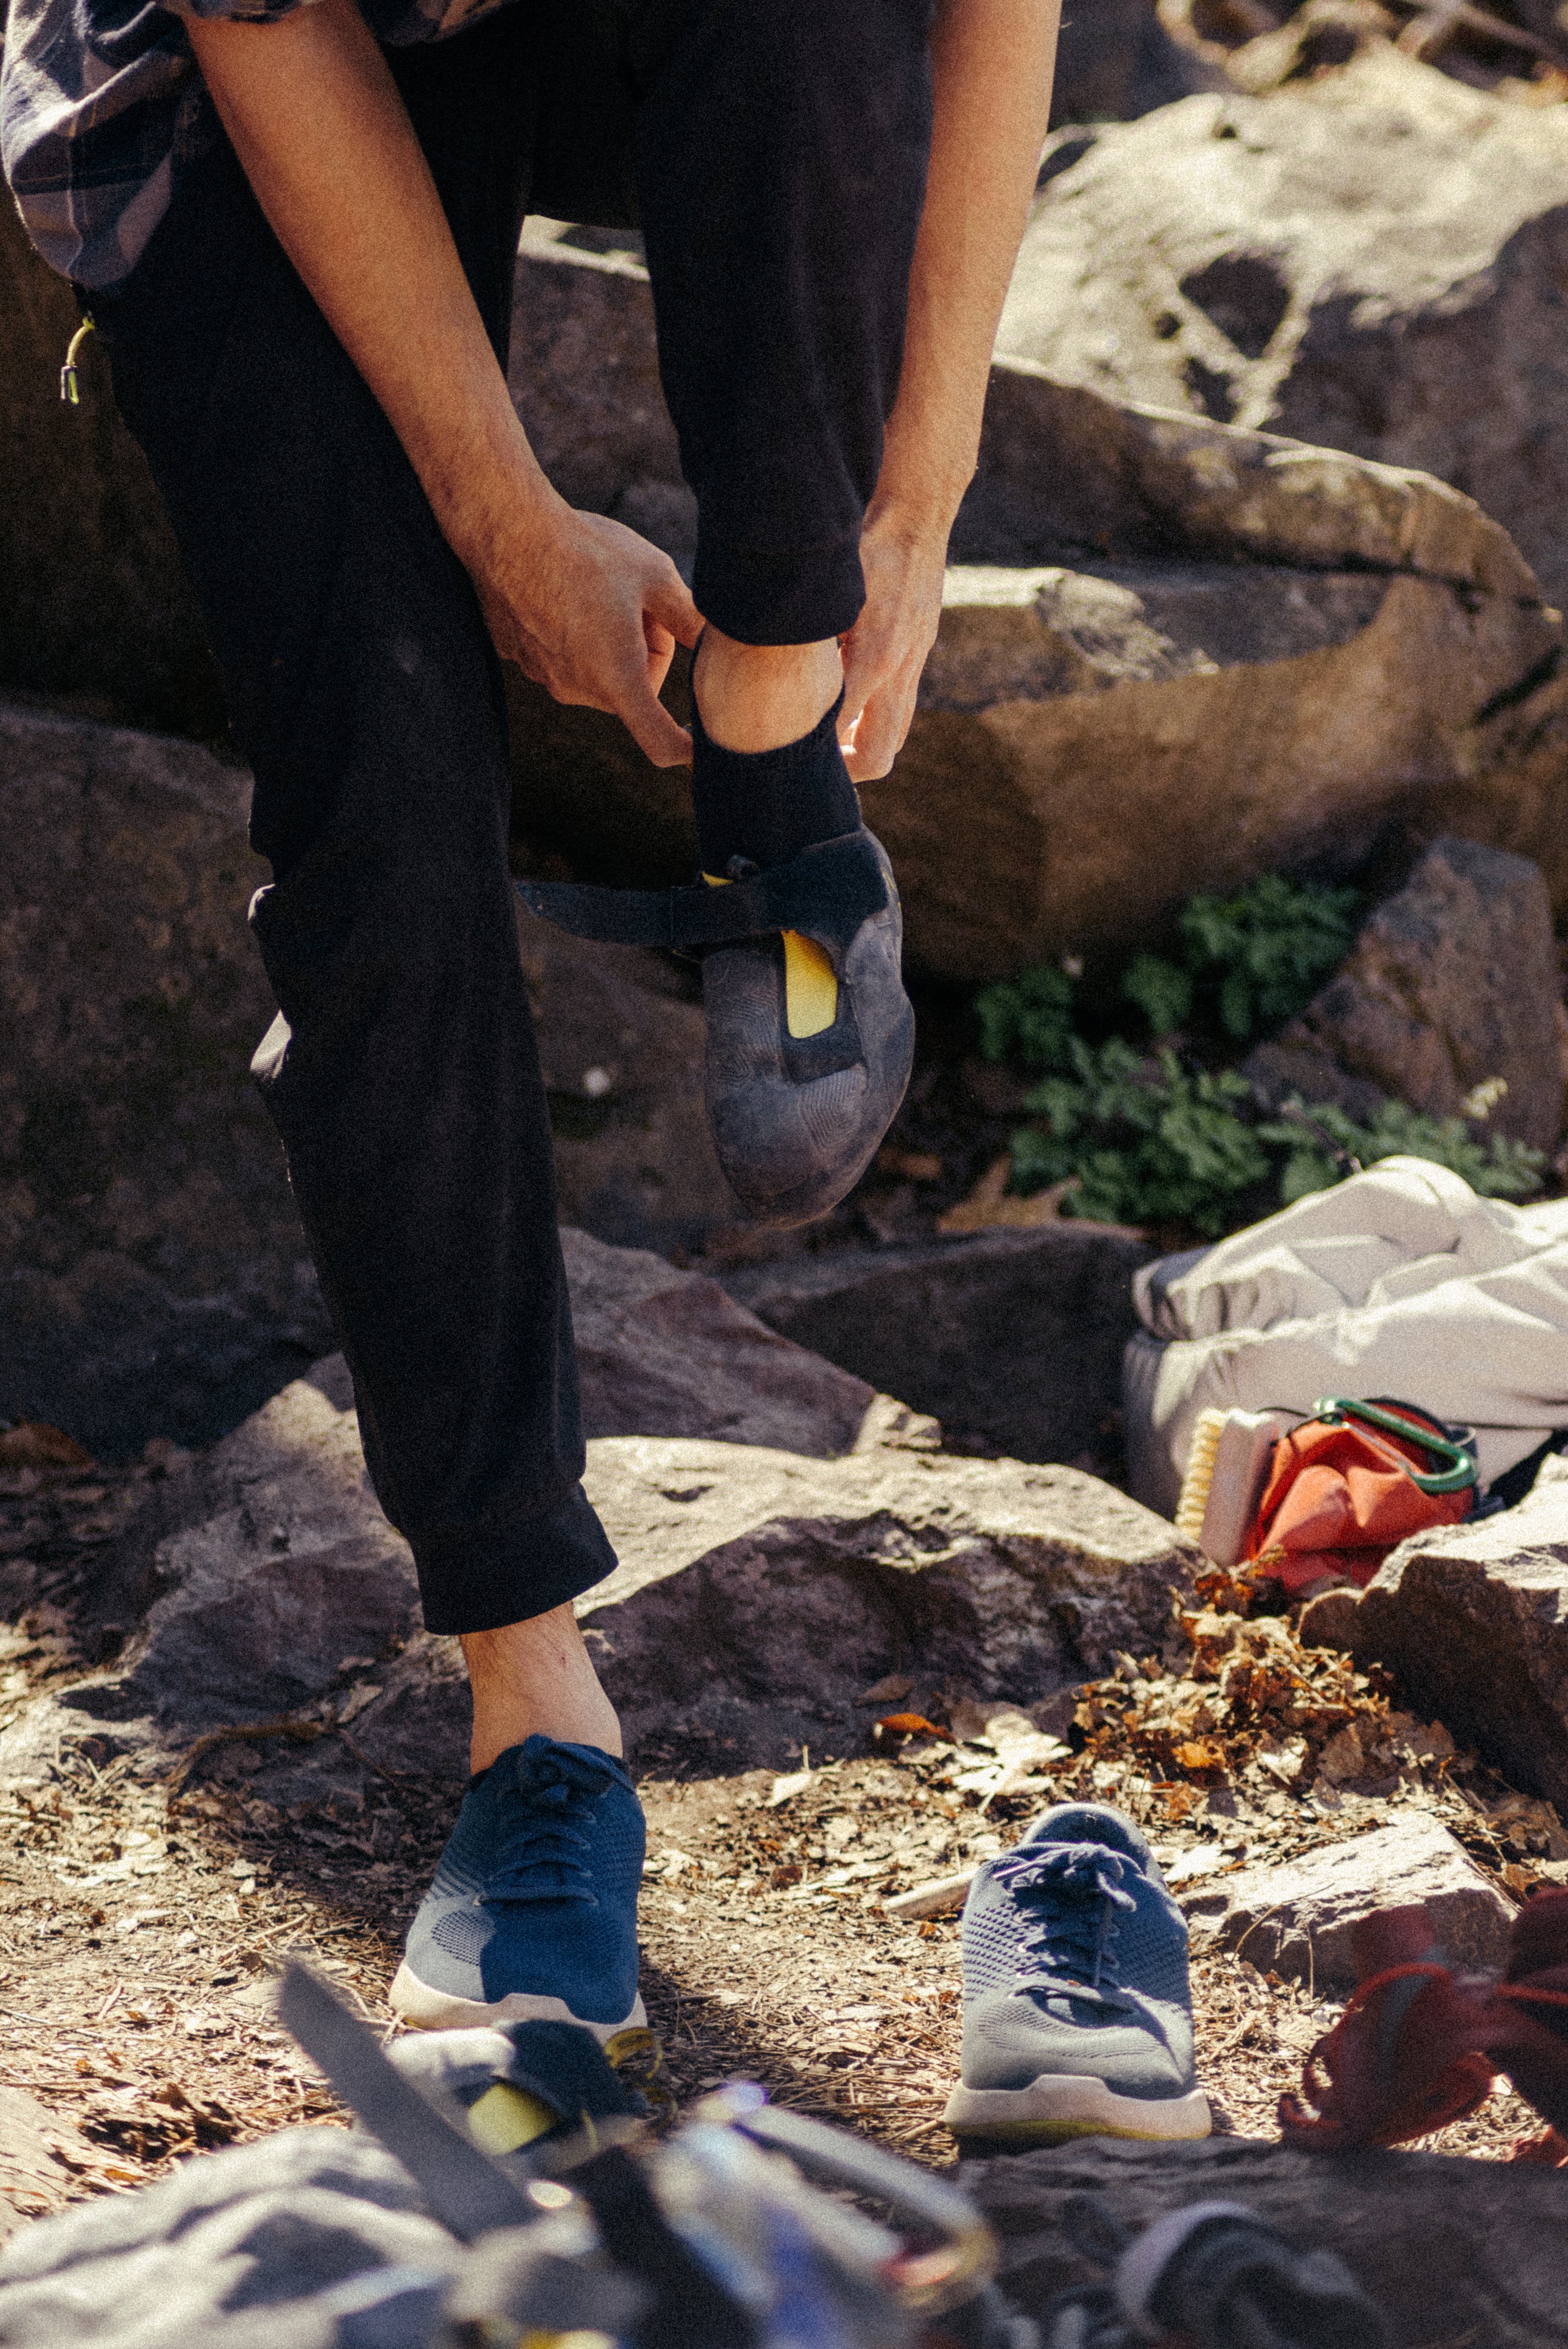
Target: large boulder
759	1590
1252	655
1369	260
1449	2251
760	1593
1452	983
1473	1621
1275	653
1011	1339
153	1276
154	1279
666	1352
1256	653
622	1040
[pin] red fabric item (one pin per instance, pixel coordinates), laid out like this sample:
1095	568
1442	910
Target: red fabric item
1527	2017
1406	2057
1339	1499
1416	2044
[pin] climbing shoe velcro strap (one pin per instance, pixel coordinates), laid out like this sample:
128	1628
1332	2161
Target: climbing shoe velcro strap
825	892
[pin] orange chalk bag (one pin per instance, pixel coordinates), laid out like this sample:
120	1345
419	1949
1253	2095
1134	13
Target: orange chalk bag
1348	1484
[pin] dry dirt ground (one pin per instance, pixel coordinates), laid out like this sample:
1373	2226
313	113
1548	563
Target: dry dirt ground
143	1912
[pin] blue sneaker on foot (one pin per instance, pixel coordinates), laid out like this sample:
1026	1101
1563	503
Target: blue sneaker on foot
532	1915
1078	2017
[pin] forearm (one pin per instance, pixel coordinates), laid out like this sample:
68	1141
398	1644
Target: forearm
993	63
581	605
318	125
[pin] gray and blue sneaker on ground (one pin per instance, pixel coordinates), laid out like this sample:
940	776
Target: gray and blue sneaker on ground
1077	2014
532	1915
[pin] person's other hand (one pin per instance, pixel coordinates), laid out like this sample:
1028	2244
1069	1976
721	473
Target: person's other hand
885	651
593	614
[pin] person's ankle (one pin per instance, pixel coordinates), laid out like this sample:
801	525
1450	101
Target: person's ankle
760	696
535	1679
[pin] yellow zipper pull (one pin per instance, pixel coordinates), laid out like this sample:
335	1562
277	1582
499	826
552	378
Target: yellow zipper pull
69	391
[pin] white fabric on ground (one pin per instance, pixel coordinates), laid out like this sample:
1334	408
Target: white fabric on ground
1399	1282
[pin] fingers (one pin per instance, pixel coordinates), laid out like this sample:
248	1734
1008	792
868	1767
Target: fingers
599	627
866	669
655	733
879	703
634	701
879	737
669	603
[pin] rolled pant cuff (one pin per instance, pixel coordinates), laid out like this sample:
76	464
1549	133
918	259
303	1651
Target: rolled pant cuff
483	1579
795	596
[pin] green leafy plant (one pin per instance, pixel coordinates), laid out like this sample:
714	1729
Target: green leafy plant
1162	991
1150	1138
1142	1142
1268	947
1320	1140
1252	960
1028	1018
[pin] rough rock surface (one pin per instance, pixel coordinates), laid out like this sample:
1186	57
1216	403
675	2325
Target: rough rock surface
153	1276
755	1582
1242	690
1473	1620
1452	981
584	372
621	1043
1299	1919
1449	2250
1014	1338
1158	628
758	1588
94	601
1368	260
666	1352
1257	653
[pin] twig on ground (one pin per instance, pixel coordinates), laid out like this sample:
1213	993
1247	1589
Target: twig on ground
234	1733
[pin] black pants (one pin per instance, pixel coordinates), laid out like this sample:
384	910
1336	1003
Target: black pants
777	156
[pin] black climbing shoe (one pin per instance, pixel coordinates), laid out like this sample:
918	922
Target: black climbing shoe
809	1032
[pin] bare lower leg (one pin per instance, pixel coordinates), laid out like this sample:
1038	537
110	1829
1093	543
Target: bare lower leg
535	1678
760	696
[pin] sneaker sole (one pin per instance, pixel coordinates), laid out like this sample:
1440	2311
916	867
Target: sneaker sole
1061	2106
424	2009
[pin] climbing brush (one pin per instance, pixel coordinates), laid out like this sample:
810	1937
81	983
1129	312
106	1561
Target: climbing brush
1228	1464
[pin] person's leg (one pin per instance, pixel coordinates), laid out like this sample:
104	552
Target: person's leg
780	161
401	1072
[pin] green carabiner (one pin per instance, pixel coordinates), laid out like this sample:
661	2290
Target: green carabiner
1334	1409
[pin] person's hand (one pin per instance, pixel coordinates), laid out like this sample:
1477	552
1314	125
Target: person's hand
593	614
885	651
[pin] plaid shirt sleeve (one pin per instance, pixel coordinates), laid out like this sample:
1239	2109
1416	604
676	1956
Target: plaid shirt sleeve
101	106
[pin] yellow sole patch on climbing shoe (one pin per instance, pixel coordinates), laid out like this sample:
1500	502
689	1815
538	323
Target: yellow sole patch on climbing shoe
811	983
810	986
